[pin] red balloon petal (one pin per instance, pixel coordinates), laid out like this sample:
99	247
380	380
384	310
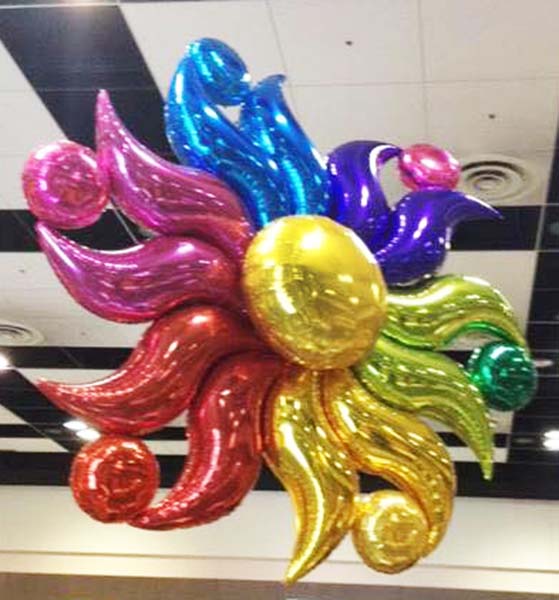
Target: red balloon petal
224	433
161	376
114	478
164	197
145	281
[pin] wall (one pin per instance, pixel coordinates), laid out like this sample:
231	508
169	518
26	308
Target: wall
491	545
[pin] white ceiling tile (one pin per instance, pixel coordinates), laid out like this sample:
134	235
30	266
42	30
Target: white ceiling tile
12	77
383	37
87	331
496	39
26	124
245	25
7	417
51	302
26	270
503	270
333	115
505	116
170	447
65	375
11	195
29	445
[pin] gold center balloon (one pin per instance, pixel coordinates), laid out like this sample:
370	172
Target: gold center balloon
335	372
314	291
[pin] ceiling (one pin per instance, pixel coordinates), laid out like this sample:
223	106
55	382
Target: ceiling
476	77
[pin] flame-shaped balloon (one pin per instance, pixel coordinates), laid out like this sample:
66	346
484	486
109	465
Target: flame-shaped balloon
224	457
393	445
164	197
162	375
420	229
446	307
432	385
266	119
315	471
358	198
270	163
142	282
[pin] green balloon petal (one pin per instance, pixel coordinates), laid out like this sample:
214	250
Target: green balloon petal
447	307
431	385
505	374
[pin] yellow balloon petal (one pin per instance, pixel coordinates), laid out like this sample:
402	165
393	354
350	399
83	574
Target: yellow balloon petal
393	445
314	291
315	471
432	385
446	307
390	532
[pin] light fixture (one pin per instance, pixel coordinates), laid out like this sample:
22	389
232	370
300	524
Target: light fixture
543	363
75	425
88	434
551	440
4	362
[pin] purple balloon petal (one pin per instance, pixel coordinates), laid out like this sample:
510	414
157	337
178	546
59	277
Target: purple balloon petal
358	200
142	282
420	229
164	197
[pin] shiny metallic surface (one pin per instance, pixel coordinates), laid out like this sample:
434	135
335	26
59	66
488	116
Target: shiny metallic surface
425	166
267	159
143	282
224	452
62	185
445	308
312	466
394	445
164	197
314	291
431	385
505	374
114	478
358	200
390	531
161	377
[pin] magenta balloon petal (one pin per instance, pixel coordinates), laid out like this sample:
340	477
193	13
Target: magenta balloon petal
164	197
62	185
145	281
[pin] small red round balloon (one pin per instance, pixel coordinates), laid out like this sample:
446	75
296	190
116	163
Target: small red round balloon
62	185
423	166
114	478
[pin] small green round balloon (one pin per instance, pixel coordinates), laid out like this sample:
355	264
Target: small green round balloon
505	375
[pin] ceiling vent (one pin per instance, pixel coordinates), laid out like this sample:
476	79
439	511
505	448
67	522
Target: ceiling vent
499	179
16	334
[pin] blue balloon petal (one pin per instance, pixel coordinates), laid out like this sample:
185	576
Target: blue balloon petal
420	229
267	159
268	122
358	200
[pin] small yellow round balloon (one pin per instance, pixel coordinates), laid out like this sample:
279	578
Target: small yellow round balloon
314	291
390	531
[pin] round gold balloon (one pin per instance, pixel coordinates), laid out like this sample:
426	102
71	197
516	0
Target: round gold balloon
315	291
390	531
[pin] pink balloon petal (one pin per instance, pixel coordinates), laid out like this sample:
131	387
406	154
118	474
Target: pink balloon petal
62	185
164	197
145	281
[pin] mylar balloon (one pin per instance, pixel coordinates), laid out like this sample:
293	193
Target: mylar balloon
313	343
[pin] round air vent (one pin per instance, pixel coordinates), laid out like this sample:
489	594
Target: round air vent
499	179
16	334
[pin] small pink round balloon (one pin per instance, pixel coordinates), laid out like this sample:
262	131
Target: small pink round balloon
424	166
62	185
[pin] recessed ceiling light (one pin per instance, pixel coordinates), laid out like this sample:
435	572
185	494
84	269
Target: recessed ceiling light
551	440
88	434
552	434
4	362
543	363
75	425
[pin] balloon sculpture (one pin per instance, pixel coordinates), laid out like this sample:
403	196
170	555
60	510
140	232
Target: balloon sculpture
296	317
